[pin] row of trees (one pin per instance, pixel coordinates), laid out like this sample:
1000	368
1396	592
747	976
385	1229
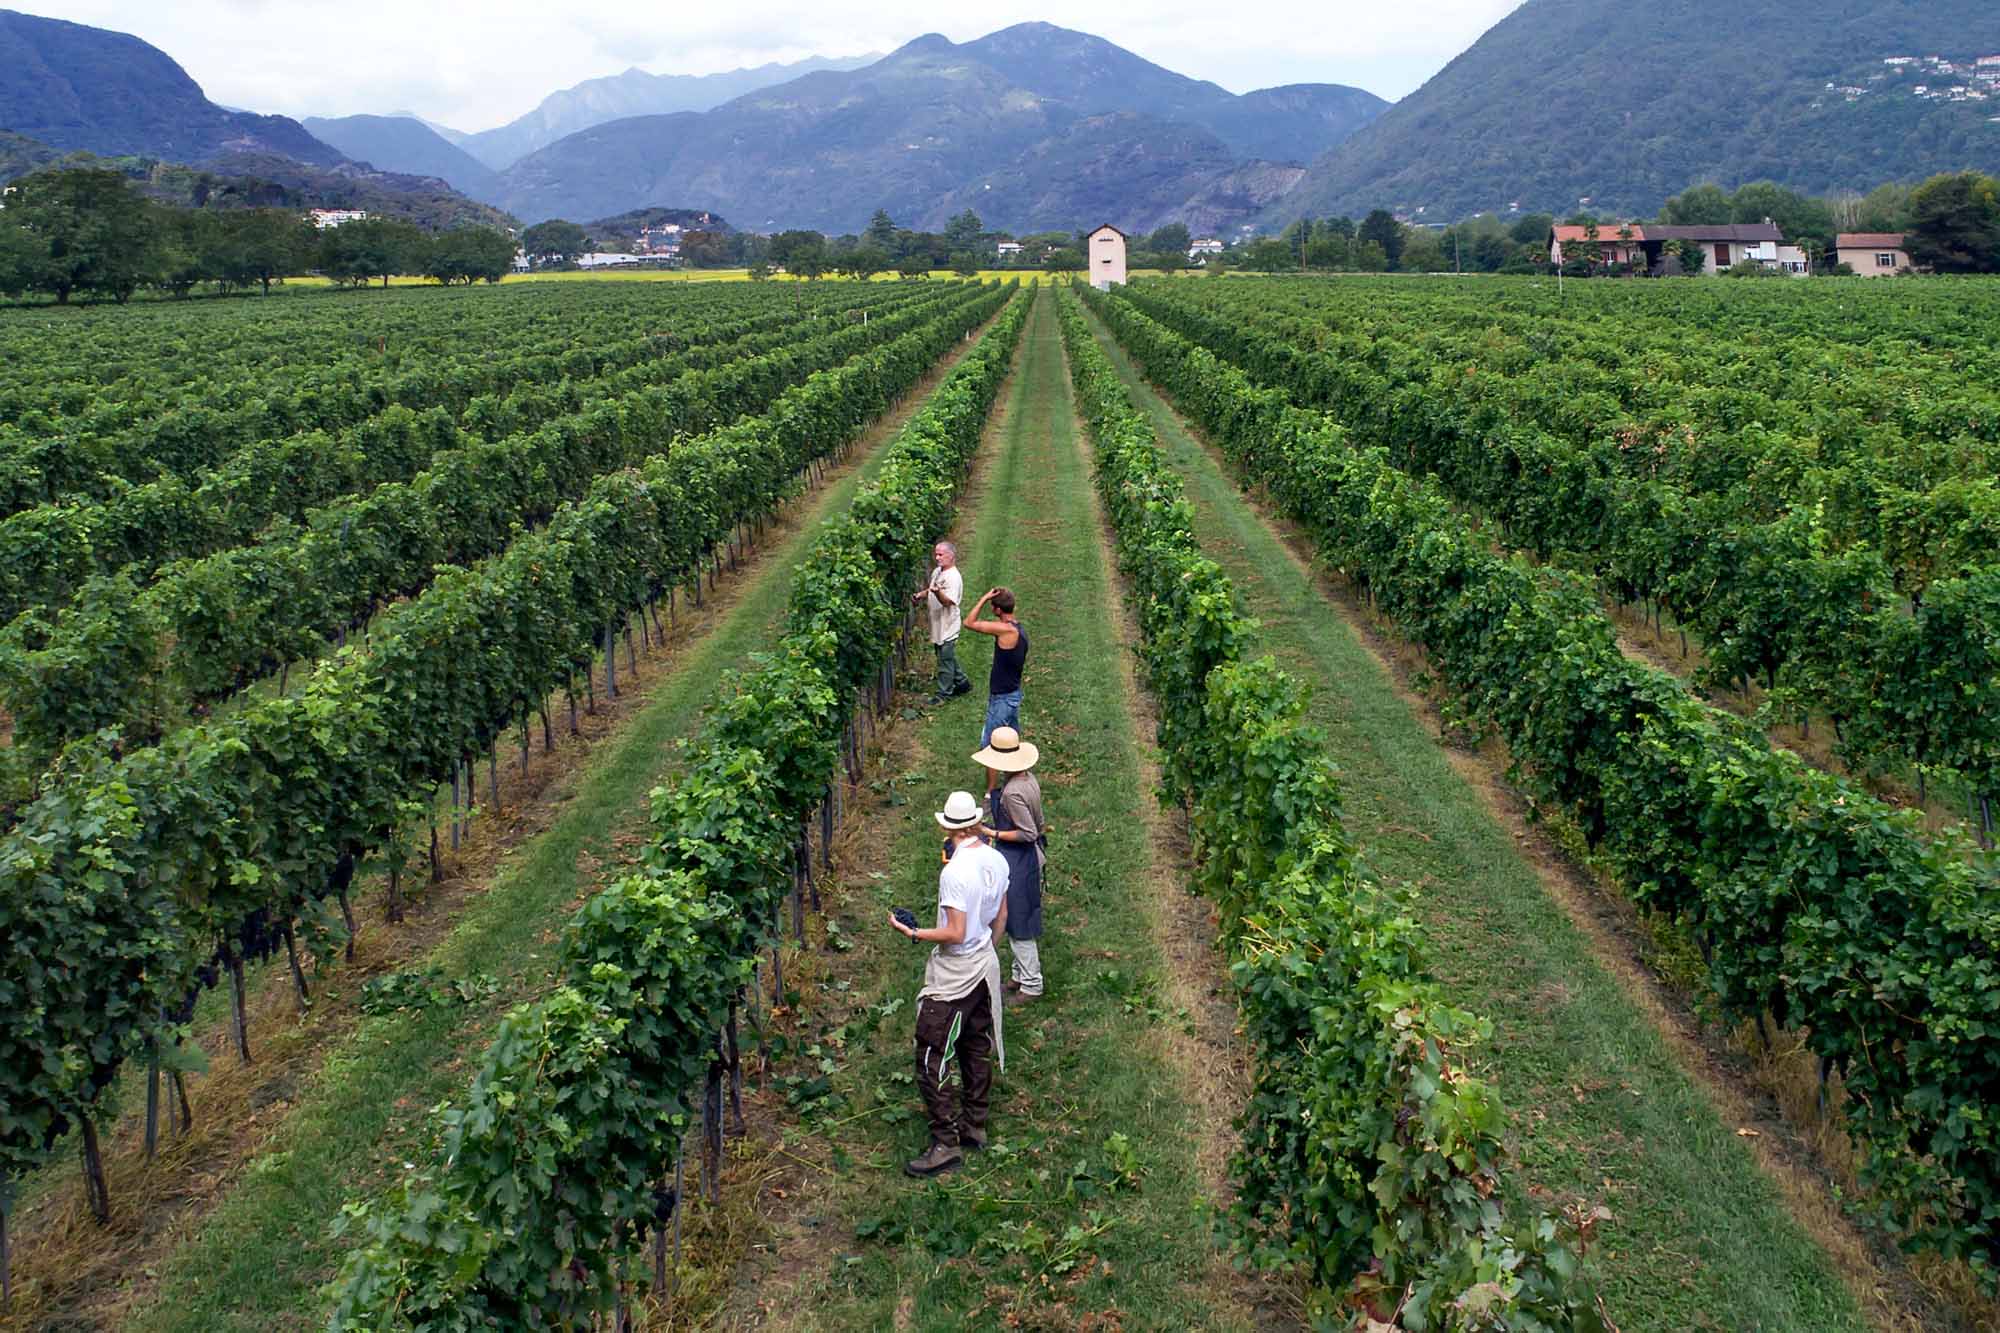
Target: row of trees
86	232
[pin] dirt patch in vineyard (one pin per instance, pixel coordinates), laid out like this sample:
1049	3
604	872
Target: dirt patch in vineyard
68	1270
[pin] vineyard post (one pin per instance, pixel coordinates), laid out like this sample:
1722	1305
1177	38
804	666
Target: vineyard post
152	1096
826	829
493	773
610	663
6	1258
234	961
454	803
735	1072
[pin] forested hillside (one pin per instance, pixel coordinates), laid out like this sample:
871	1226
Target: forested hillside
1572	100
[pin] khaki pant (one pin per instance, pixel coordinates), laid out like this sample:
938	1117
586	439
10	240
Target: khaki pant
955	1036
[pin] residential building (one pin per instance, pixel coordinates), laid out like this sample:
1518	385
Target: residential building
1203	248
1722	245
604	259
1007	250
1617	242
1105	254
1873	254
334	217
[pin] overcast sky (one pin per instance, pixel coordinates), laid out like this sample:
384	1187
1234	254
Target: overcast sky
477	65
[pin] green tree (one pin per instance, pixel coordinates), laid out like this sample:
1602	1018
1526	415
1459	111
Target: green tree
355	253
24	257
863	261
962	233
100	234
555	240
1423	252
881	232
1170	239
965	264
468	255
1269	254
1955	223
1532	229
262	245
1365	256
1704	205
1885	208
1064	259
801	253
712	249
1798	216
1382	230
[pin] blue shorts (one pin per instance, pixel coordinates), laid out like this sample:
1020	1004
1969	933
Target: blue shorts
1002	710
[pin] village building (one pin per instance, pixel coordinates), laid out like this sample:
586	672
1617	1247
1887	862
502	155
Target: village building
1105	248
334	217
1721	245
1006	250
1873	254
1203	248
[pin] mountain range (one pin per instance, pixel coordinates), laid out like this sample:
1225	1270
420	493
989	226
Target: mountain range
1565	101
75	87
1032	126
633	93
1563	105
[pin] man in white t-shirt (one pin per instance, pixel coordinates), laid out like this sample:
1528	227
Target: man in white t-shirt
958	1009
944	595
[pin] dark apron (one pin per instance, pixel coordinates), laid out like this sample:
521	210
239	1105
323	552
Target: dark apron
1024	875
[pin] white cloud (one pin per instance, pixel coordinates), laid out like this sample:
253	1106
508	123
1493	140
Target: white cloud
479	65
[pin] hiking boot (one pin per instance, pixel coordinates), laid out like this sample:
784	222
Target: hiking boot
940	1159
935	700
974	1139
964	687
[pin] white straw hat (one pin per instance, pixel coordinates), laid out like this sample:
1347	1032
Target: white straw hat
1006	752
960	811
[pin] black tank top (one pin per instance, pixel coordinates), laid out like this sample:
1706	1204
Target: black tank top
1006	677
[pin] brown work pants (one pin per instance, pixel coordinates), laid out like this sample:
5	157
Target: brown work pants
955	1037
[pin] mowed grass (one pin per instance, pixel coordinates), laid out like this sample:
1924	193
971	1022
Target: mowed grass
259	1259
1599	1107
1087	1210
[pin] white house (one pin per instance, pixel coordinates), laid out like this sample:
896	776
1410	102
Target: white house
1007	250
1105	254
604	259
333	217
1203	248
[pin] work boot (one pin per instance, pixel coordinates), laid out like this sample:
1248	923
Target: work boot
963	687
975	1139
940	1159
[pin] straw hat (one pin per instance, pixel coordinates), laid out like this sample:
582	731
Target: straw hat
960	811
1006	752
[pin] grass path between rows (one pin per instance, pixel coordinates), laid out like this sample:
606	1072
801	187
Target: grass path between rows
1599	1106
1090	1208
259	1259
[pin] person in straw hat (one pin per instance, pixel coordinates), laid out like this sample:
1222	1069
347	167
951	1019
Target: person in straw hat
1014	812
958	1009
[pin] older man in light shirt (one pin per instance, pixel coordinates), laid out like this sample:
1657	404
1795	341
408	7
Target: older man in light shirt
943	596
958	1009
